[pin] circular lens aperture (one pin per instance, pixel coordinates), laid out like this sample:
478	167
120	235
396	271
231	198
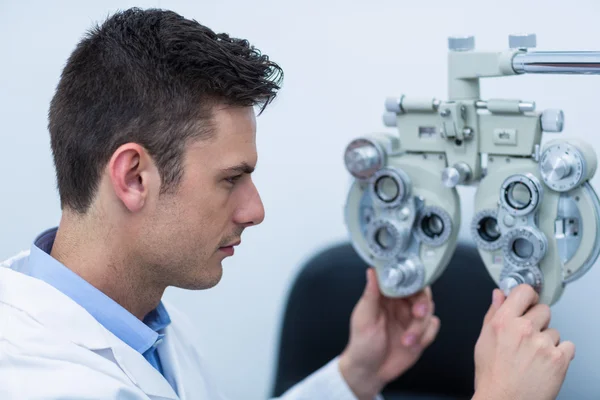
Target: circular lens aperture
432	225
521	194
488	229
387	189
523	248
518	195
485	230
384	238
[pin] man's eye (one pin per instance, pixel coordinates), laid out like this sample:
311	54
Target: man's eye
233	179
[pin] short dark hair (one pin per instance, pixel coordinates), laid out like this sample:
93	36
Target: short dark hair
149	77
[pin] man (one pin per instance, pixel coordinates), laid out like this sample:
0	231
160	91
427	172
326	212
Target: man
153	136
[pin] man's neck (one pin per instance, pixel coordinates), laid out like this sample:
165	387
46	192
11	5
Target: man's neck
101	259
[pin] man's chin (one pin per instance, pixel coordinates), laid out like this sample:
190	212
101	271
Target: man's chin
208	278
213	280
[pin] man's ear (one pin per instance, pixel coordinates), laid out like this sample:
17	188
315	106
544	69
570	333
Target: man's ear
130	169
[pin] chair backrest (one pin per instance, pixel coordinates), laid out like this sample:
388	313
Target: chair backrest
317	314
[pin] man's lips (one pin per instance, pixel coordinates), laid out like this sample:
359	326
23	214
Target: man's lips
229	249
232	244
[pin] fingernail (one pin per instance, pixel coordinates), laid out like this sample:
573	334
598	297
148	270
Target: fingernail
421	310
409	340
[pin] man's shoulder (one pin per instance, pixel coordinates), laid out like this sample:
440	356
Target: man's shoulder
30	352
16	262
36	374
25	337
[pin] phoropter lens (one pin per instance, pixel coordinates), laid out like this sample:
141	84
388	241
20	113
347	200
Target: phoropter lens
387	189
523	248
518	195
384	238
432	225
488	229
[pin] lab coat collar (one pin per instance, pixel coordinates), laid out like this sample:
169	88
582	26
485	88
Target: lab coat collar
66	318
172	368
140	371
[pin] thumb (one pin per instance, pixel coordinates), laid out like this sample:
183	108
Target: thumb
497	301
371	295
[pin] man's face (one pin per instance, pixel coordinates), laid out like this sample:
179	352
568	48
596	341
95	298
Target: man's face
194	229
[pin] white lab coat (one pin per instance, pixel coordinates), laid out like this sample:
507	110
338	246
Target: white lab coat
51	348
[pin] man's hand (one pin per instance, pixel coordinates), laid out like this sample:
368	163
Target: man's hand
517	356
387	336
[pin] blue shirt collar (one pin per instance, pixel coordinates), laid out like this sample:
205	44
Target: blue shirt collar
140	335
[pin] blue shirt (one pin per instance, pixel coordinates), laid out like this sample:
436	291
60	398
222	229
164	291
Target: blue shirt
143	336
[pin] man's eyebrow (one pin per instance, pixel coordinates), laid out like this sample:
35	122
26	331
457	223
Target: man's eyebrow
240	168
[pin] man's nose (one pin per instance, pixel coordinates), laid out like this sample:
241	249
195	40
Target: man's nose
251	212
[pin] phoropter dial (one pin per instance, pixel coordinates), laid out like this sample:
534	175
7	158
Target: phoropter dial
562	167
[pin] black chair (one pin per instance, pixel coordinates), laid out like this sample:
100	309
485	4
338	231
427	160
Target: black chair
316	323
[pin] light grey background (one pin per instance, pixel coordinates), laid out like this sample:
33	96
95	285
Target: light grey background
341	60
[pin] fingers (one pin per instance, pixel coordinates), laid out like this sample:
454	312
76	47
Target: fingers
421	303
553	336
370	299
568	349
497	300
539	315
371	287
413	314
416	329
519	301
431	333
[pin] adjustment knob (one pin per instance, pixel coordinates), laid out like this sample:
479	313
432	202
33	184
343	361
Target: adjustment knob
510	282
390	119
552	120
363	157
516	278
404	274
556	167
564	165
393	104
402	277
455	175
522	41
461	43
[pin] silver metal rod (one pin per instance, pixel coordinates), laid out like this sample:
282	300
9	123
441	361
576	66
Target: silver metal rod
524	106
557	62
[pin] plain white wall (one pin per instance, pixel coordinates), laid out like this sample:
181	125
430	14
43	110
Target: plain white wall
341	59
